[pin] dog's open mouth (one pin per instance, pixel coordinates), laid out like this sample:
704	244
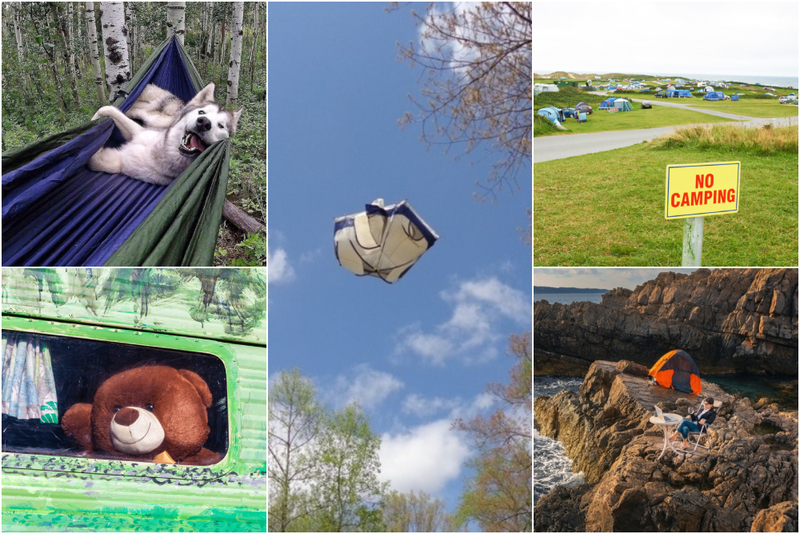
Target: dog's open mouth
191	144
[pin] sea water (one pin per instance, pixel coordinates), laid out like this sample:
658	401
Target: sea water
765	81
551	467
568	298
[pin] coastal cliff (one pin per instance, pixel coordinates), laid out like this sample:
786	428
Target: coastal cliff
730	320
746	481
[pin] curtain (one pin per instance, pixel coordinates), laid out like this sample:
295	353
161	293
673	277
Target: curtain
29	390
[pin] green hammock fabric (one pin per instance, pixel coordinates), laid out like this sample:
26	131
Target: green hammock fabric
195	201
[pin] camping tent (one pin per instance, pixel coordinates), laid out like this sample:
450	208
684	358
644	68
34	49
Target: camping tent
714	95
677	370
546	87
607	103
58	212
622	105
382	241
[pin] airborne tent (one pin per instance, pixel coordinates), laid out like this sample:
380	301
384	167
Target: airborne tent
384	242
58	212
677	370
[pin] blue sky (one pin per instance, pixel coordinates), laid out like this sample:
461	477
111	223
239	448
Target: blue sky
418	353
601	277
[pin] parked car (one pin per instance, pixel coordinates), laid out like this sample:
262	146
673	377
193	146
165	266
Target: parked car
583	107
786	99
647	105
568	112
661	94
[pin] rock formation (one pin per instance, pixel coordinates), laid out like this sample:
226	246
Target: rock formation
746	481
729	320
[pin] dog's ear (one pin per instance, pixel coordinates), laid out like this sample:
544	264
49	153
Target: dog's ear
205	96
236	114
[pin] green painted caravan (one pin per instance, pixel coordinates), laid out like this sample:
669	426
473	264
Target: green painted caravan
94	322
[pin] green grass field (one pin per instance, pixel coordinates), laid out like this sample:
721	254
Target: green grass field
607	209
603	121
761	109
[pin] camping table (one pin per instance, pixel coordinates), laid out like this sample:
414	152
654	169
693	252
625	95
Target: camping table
666	422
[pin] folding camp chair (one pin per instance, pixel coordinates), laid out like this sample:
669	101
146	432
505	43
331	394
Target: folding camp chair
700	434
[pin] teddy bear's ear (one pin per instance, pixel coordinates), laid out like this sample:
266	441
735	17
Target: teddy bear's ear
199	384
77	423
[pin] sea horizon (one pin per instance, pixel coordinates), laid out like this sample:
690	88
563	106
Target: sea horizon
568	298
780	81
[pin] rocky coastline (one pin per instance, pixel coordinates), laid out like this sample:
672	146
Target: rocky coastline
732	321
746	481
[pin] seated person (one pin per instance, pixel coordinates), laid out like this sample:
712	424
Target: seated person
698	421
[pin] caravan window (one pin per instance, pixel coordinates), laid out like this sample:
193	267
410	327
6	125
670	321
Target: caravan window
45	375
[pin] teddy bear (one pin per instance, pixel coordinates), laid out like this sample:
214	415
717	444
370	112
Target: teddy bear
153	413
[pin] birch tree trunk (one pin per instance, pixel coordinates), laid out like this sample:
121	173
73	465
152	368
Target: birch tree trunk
52	61
69	62
130	36
115	48
253	44
236	55
176	17
73	57
209	29
18	31
91	32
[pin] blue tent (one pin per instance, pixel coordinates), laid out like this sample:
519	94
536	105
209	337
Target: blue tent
714	95
607	103
552	113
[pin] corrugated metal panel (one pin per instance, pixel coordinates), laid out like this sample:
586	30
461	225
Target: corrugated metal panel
226	304
52	493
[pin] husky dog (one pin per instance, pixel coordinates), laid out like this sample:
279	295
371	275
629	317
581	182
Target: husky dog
171	136
155	108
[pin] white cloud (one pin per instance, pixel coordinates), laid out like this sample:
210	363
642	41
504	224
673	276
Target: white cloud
369	388
459	49
508	301
425	458
425	407
455	407
471	331
278	267
430	346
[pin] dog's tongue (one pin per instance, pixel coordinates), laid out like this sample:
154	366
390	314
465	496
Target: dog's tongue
195	142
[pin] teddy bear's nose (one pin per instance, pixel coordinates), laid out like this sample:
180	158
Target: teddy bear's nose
126	416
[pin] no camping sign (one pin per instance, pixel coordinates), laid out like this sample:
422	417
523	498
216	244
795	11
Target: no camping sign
700	189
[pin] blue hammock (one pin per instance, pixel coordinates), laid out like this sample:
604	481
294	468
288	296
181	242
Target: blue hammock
58	212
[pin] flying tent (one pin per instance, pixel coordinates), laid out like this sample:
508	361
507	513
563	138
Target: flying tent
382	241
58	212
677	370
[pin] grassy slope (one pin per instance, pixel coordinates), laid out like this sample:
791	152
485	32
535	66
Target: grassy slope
608	209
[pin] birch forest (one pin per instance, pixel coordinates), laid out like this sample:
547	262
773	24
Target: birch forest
63	60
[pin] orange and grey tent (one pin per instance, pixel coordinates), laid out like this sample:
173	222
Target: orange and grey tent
677	370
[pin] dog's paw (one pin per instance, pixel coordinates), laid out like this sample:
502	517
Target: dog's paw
103	112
